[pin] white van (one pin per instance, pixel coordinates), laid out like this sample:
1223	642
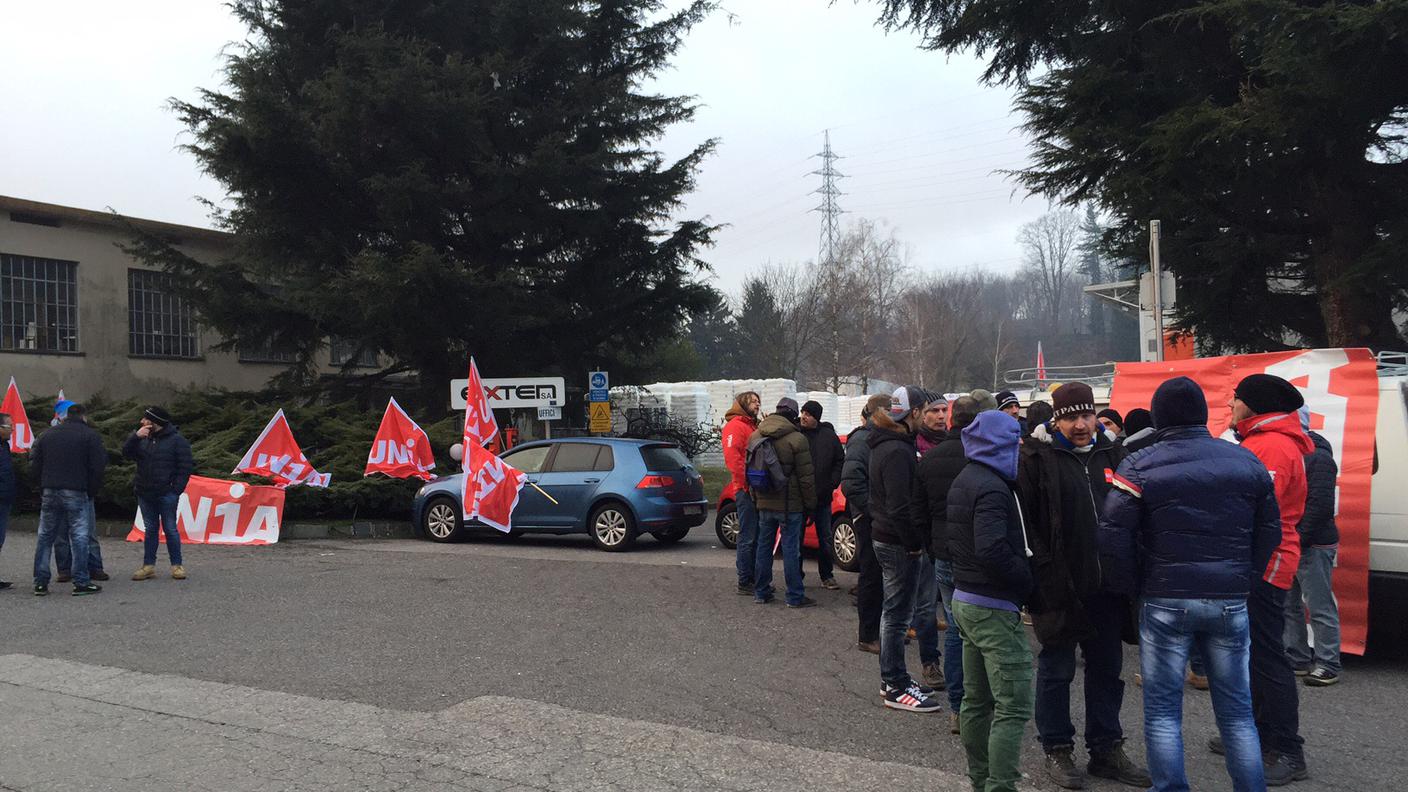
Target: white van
1388	522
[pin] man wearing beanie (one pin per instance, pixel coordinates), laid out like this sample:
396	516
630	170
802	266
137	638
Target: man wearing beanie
986	401
68	463
827	458
899	535
1063	486
1188	524
786	508
63	551
1265	420
164	467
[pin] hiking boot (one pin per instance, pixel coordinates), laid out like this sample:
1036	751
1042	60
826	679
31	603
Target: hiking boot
100	575
1061	769
804	602
1116	765
911	698
63	577
934	675
178	572
830	584
91	588
1281	769
1321	677
953	723
41	590
1197	681
869	646
146	572
942	622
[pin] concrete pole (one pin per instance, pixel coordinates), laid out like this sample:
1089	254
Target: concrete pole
1158	290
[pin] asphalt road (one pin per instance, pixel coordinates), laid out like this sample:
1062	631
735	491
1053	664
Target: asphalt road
537	663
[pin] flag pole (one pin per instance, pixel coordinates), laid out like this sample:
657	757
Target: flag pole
544	494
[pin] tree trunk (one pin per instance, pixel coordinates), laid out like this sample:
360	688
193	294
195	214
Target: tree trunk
1356	312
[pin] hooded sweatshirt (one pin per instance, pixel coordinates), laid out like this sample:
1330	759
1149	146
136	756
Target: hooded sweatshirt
1281	445
987	535
796	458
735	441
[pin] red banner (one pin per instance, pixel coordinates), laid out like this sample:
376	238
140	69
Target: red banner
276	454
490	487
23	436
479	424
215	511
1341	389
401	448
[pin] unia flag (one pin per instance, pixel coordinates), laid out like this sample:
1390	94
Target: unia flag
479	424
23	436
277	455
490	487
401	449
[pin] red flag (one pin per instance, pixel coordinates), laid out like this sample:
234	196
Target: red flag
489	487
1040	364
479	424
277	455
23	436
401	449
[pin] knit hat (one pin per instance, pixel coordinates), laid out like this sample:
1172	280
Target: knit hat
1137	420
812	408
1005	398
788	407
1113	416
986	401
157	415
1179	402
1073	398
1268	393
905	400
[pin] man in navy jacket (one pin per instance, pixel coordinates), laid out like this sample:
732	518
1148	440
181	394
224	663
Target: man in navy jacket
1189	523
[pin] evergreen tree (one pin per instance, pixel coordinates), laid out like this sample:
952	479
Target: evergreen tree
1267	135
761	329
435	178
1092	266
714	335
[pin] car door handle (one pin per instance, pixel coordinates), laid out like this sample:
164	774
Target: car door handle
591	481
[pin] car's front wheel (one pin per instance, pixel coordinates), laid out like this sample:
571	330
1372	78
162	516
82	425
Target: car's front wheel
612	527
726	525
441	520
844	546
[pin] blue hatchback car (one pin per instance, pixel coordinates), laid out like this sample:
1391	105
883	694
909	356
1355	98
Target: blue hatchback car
613	489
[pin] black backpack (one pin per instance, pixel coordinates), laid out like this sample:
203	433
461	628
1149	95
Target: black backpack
764	469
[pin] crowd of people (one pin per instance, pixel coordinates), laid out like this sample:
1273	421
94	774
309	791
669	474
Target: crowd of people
1095	529
67	464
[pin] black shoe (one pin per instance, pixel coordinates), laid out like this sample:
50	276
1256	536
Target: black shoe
99	575
63	577
804	602
4	584
1116	765
1301	670
1281	769
830	584
745	591
91	588
1061	769
763	600
1321	677
41	590
1215	745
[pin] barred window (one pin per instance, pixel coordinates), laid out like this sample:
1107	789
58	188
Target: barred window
160	324
38	304
267	352
343	349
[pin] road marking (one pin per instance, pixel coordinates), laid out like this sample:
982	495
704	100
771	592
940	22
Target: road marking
98	727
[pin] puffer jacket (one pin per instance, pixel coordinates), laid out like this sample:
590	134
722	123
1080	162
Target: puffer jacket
986	531
1188	517
69	456
855	471
1281	445
893	518
164	463
1317	524
796	459
735	442
938	468
828	456
1063	492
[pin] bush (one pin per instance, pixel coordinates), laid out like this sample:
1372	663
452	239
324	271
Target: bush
222	425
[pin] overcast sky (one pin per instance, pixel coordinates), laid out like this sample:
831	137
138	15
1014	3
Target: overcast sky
85	124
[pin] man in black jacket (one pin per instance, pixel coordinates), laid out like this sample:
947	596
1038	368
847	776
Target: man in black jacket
7	481
855	485
938	467
827	458
68	462
164	467
992	578
899	535
1312	590
1062	482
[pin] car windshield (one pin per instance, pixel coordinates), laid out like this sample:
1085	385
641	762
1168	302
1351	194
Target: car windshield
663	457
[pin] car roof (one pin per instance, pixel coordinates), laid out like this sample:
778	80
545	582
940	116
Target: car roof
613	441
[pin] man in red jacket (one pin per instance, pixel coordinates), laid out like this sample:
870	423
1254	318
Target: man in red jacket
1264	417
742	420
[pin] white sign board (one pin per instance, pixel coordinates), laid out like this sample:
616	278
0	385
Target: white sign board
513	392
549	413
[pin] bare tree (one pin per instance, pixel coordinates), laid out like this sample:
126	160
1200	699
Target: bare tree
1049	259
861	292
799	300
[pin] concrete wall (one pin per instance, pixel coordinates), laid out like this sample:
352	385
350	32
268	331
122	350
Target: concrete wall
103	365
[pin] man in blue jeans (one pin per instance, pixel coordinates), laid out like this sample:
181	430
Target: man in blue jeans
1313	589
164	468
68	462
784	501
63	553
741	421
1188	525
